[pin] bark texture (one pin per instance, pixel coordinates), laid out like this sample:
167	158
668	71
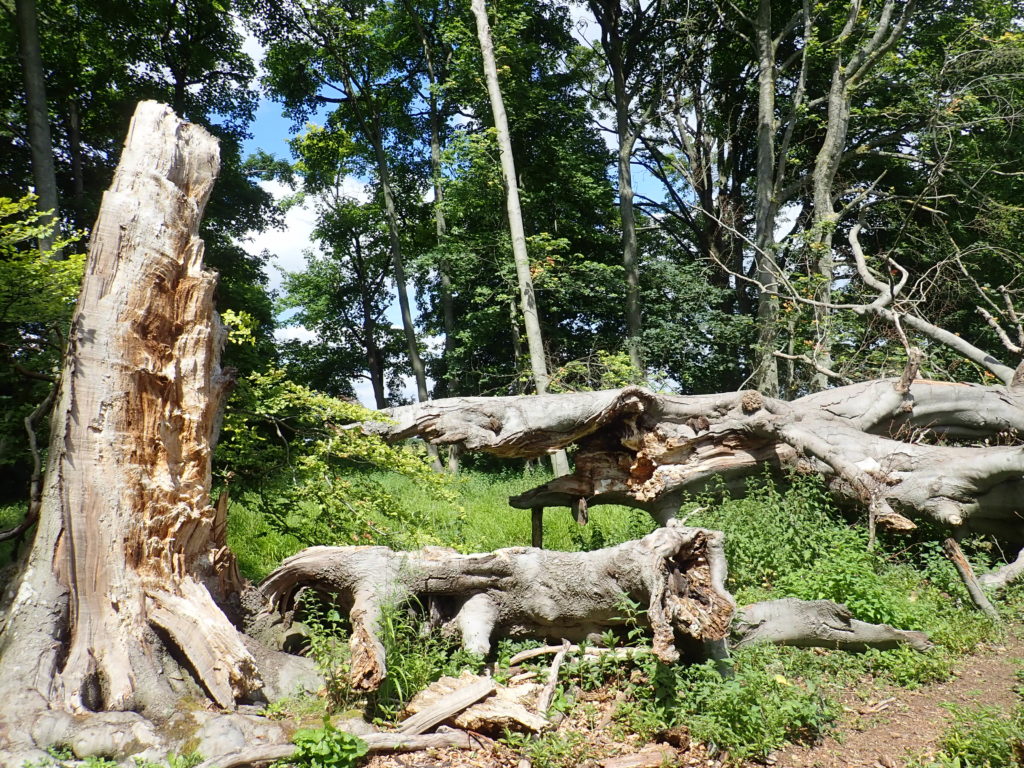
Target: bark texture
676	574
873	442
121	594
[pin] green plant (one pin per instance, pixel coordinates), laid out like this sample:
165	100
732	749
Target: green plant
416	657
552	750
328	646
981	737
325	747
173	760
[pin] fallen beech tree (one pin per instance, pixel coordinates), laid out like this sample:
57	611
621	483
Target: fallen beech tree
650	450
675	574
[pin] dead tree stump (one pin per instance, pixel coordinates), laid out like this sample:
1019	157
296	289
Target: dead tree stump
119	605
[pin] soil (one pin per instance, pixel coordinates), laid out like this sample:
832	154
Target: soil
881	727
894	725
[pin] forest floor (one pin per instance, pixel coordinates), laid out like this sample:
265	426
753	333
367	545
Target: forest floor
881	726
884	727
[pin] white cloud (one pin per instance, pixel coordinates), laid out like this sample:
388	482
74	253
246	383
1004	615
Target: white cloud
286	245
294	333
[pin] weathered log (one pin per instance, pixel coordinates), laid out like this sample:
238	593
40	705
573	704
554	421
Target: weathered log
677	574
447	706
816	624
120	593
650	450
377	742
1004	576
652	756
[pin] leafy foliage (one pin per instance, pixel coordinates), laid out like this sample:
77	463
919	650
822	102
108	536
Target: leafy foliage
37	296
287	452
326	747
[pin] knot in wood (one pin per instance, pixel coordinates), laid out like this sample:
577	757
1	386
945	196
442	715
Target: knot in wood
751	401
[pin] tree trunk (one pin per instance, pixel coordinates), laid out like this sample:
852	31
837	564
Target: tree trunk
38	115
676	574
627	213
671	582
122	593
650	451
766	366
531	316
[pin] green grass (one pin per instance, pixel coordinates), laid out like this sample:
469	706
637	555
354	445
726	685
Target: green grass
10	516
779	543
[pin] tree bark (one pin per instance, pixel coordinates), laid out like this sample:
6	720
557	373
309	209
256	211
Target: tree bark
676	575
766	366
649	451
129	570
38	115
531	315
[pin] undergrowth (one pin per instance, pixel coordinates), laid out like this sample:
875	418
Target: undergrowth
779	543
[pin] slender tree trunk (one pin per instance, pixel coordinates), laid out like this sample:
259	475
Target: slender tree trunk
120	600
766	364
398	264
531	316
627	139
75	147
824	216
43	172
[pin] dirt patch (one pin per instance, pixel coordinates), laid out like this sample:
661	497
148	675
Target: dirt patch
894	725
881	727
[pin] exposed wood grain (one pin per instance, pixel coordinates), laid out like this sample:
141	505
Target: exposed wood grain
447	707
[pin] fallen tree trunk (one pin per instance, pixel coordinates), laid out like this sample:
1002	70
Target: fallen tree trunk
869	441
376	742
676	575
816	624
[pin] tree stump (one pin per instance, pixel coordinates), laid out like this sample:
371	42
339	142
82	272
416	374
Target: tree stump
120	600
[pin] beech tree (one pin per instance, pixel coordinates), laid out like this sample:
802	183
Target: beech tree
129	576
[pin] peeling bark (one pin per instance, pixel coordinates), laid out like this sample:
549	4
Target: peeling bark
649	450
129	570
676	574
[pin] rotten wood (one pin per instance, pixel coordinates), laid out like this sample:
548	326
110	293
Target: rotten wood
537	527
377	742
447	706
548	692
651	450
125	580
676	573
653	756
974	588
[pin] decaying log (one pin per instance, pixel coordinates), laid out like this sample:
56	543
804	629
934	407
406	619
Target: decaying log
377	742
649	450
510	708
447	706
1004	576
652	756
676	574
816	624
121	594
